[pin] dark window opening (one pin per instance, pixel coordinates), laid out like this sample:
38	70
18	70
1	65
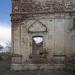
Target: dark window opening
74	23
73	27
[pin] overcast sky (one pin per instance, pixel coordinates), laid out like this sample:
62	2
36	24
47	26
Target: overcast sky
5	24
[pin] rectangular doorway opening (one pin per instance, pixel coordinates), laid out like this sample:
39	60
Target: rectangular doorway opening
37	45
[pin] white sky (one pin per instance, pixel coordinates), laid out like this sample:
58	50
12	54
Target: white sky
5	33
38	39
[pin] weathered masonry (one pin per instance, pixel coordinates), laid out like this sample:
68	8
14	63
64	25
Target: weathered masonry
43	31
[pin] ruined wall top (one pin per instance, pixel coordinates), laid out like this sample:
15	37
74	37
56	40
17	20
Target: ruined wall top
43	5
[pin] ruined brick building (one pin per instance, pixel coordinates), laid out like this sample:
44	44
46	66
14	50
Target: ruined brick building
43	31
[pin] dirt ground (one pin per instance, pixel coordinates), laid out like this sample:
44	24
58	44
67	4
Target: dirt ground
5	70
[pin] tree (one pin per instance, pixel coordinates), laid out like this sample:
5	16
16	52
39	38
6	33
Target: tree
1	47
8	46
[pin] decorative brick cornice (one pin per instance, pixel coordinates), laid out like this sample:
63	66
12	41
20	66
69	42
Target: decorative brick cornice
25	10
47	6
